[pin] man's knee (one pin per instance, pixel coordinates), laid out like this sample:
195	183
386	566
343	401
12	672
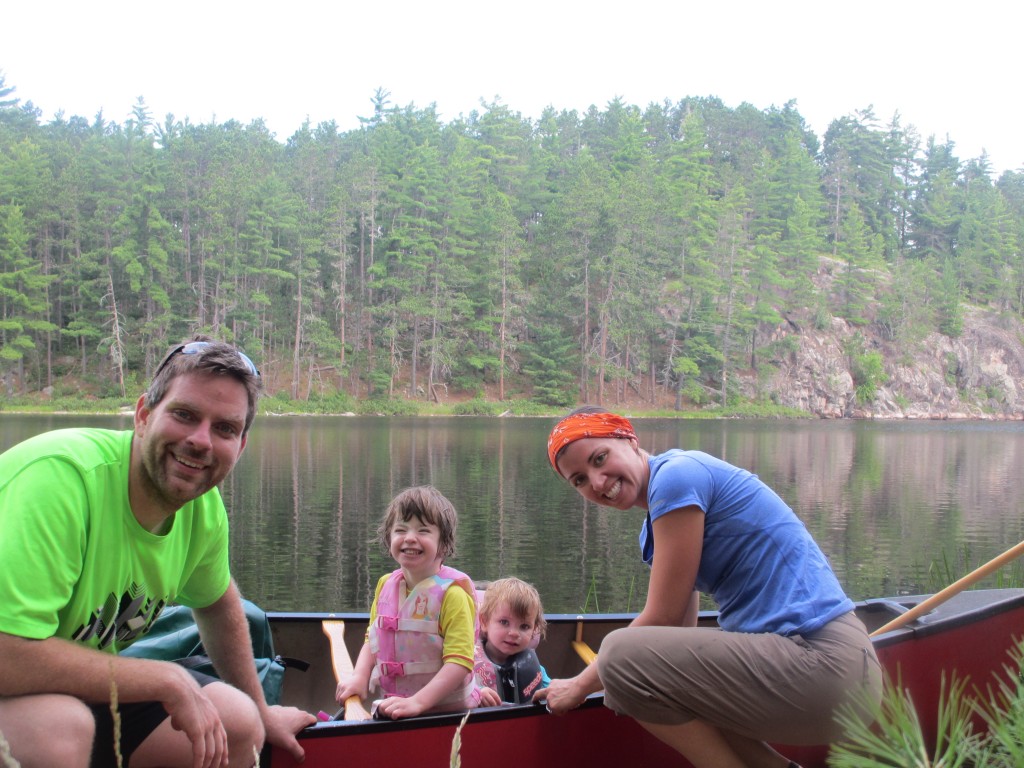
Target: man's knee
27	724
238	715
241	719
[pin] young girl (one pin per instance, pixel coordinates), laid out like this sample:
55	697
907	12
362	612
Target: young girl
511	624
420	642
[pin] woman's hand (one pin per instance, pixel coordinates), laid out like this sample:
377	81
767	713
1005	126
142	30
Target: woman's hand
562	695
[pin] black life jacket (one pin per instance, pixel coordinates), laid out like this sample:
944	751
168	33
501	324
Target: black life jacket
519	677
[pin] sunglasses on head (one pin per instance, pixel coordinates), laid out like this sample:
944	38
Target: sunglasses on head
194	348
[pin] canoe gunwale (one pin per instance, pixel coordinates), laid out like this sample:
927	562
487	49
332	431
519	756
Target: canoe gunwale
961	610
964	608
341	728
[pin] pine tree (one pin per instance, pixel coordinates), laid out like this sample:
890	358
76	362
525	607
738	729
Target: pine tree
23	298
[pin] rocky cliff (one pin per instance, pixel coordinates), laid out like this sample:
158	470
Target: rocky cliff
978	375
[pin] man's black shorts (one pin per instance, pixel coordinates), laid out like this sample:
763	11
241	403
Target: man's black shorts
138	721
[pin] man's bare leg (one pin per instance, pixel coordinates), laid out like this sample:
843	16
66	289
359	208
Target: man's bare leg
168	747
28	722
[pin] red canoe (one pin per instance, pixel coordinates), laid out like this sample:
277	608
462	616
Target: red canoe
971	635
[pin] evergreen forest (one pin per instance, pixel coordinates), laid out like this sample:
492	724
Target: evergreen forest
565	258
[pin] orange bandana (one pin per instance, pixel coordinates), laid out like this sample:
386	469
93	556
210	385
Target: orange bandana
578	426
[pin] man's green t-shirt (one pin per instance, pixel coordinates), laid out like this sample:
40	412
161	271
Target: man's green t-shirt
74	561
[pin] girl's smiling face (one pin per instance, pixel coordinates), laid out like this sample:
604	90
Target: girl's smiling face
610	471
416	547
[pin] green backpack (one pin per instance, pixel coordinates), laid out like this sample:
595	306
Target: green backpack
174	636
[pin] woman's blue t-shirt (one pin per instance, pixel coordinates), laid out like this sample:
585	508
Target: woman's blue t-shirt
759	563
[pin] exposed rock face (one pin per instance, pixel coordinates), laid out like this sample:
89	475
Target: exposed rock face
978	375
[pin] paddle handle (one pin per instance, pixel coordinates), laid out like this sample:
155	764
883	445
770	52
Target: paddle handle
955	588
342	663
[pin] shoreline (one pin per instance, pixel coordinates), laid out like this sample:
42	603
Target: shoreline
705	414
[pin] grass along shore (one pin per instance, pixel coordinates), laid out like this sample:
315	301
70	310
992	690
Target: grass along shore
340	404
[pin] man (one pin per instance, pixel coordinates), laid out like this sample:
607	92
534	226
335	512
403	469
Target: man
98	531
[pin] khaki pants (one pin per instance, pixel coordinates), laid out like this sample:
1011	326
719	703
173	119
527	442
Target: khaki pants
784	690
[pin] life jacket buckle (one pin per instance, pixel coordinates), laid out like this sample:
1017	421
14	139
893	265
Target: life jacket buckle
392	668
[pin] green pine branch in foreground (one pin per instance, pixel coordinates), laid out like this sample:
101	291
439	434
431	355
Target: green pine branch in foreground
895	738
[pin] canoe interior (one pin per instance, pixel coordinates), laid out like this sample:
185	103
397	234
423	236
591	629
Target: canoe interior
970	635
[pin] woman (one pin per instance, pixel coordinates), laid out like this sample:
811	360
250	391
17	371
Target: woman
792	651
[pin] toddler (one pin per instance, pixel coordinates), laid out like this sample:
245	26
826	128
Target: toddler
511	624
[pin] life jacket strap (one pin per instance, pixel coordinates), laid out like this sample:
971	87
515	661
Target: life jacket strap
402	668
397	624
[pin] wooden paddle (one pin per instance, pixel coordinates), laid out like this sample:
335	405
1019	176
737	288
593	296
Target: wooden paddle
955	588
583	650
342	663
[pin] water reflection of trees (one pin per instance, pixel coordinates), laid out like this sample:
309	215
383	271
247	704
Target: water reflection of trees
885	501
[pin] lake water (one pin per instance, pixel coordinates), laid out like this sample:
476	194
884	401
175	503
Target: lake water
899	507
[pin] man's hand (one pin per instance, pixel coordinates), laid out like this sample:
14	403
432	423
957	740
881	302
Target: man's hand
193	713
282	724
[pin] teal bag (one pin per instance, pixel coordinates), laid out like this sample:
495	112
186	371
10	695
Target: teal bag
174	636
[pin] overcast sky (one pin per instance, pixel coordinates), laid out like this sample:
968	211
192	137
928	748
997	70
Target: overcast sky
949	68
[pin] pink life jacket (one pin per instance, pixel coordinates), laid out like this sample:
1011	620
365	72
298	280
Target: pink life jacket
483	669
406	640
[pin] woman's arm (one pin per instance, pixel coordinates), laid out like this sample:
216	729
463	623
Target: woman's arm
678	543
671	599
